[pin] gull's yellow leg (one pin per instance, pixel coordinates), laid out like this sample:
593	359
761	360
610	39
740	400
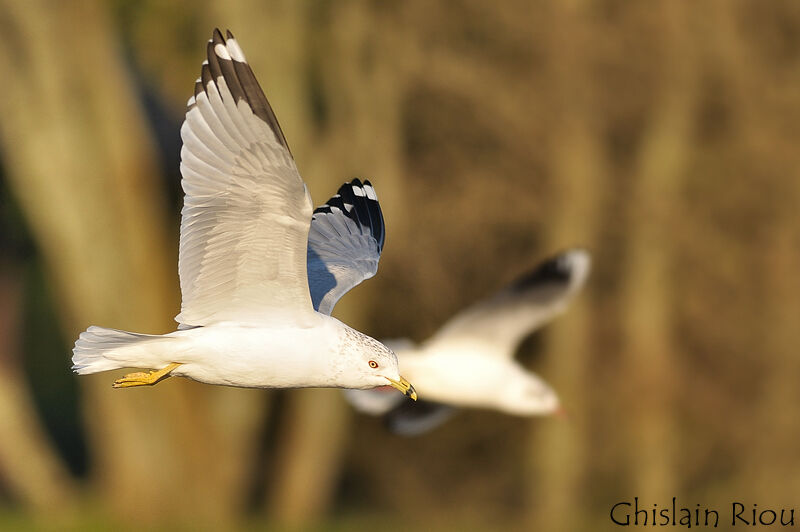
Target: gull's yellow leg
144	378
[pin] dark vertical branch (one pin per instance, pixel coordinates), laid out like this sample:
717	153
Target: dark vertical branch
578	179
29	464
80	161
646	300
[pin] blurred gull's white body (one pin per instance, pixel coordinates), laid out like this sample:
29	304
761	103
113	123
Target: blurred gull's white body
466	377
470	362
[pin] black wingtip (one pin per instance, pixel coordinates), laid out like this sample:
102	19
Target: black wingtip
359	202
561	268
205	75
242	82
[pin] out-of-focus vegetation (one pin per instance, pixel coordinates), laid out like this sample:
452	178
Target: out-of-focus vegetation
661	135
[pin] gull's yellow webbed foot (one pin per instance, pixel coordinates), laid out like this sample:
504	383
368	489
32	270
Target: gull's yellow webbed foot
144	378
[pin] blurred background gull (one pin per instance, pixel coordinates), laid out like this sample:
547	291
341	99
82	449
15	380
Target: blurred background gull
662	136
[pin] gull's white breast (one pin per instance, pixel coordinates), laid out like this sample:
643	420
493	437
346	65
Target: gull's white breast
261	357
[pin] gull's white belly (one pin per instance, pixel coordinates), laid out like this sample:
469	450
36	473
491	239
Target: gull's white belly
257	357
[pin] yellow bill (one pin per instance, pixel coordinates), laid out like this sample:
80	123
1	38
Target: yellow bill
404	386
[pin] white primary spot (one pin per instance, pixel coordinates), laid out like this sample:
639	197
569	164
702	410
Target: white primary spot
370	192
358	191
221	51
205	62
348	207
579	262
235	51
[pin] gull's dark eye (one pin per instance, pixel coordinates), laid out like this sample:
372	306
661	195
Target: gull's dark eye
373	364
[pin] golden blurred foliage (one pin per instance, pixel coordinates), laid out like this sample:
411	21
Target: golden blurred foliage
659	135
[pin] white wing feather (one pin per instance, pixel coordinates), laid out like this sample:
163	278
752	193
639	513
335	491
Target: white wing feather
246	213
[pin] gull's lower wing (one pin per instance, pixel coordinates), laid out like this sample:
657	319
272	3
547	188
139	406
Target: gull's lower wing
502	321
400	416
246	210
414	419
344	243
374	402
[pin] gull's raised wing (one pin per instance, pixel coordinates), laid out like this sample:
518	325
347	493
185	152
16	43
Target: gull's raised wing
344	243
246	212
502	321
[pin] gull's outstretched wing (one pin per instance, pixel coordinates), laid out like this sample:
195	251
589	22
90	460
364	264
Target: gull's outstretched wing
344	243
246	212
502	321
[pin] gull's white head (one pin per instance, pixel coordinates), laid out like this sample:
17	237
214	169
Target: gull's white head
367	363
529	396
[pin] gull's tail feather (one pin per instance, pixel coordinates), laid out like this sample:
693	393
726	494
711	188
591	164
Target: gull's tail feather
99	349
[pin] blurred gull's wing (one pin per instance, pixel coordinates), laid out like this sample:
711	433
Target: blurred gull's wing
344	243
373	402
499	323
414	419
400	416
246	212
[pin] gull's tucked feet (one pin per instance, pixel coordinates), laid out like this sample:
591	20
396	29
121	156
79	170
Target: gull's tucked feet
144	378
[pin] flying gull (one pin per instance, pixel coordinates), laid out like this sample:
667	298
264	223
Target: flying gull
470	362
246	264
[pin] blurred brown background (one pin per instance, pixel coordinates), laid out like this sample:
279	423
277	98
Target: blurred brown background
660	135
